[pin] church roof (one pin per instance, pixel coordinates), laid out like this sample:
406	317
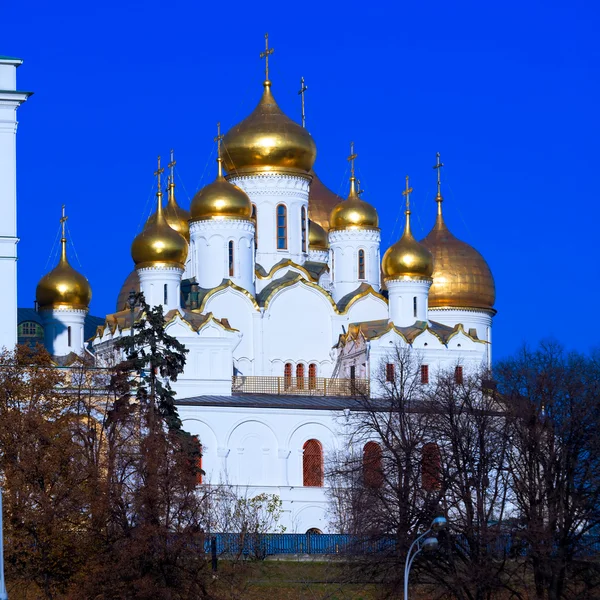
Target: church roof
362	290
261	401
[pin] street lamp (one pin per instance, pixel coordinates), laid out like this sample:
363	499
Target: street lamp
132	301
427	542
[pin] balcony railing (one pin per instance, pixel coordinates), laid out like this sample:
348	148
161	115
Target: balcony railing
300	386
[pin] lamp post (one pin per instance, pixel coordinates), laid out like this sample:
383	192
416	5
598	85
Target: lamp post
132	301
427	542
3	594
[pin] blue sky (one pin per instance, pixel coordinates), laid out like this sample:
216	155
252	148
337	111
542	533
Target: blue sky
507	92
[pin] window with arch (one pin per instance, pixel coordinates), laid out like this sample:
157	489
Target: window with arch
361	264
281	227
431	467
253	216
424	374
312	464
230	258
390	372
300	376
287	375
372	465
69	336
165	294
415	307
312	376
458	375
303	220
31	329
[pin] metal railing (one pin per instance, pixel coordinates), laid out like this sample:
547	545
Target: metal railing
300	386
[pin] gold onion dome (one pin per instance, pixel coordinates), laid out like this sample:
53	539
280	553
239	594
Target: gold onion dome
159	243
63	287
407	259
461	276
221	199
321	201
353	213
317	237
268	140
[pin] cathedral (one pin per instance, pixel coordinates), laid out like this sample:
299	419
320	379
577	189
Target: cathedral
278	289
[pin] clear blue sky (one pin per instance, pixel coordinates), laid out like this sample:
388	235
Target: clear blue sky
507	92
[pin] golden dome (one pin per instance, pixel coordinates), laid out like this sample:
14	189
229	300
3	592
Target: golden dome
461	276
268	140
317	237
132	282
159	243
63	286
321	201
407	259
221	200
353	213
177	217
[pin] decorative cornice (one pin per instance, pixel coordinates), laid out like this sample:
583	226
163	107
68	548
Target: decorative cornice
220	224
273	184
159	267
346	235
408	279
49	311
488	311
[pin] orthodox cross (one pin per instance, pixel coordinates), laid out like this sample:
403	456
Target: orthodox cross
351	159
63	221
268	51
438	166
218	139
171	166
158	173
303	89
407	193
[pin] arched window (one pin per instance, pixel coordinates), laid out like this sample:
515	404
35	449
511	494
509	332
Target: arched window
312	376
390	372
287	375
303	217
372	465
415	307
424	374
69	335
281	227
431	468
300	376
165	294
458	375
312	464
230	259
361	264
254	218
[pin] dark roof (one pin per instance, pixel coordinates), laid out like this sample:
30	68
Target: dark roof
345	300
262	296
90	325
274	401
28	314
316	269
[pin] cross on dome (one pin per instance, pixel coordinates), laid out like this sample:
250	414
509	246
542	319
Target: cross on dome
268	51
407	192
303	89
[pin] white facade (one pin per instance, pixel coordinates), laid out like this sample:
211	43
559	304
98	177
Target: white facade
161	285
408	300
63	330
10	100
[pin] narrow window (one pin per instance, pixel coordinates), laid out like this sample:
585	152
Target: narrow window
332	265
69	335
287	375
312	376
303	217
300	376
424	374
165	294
254	218
372	465
415	307
389	373
352	372
281	227
361	264
431	468
199	466
458	375
312	464
231	259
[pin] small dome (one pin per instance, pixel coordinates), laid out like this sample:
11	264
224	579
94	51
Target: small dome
131	283
461	276
407	259
63	286
353	213
221	200
321	201
317	237
268	140
159	243
177	217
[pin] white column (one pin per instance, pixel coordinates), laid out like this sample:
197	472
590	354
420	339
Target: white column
10	100
159	284
63	330
344	252
210	239
3	594
266	191
408	300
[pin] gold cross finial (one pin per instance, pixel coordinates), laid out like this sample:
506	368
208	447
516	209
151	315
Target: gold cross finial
63	221
438	167
268	51
407	193
303	89
158	173
351	159
171	166
219	139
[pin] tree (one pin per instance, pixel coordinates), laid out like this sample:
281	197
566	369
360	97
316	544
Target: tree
554	466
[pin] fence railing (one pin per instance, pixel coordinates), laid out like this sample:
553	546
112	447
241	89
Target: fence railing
300	386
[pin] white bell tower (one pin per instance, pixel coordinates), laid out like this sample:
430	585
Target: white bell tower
10	100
